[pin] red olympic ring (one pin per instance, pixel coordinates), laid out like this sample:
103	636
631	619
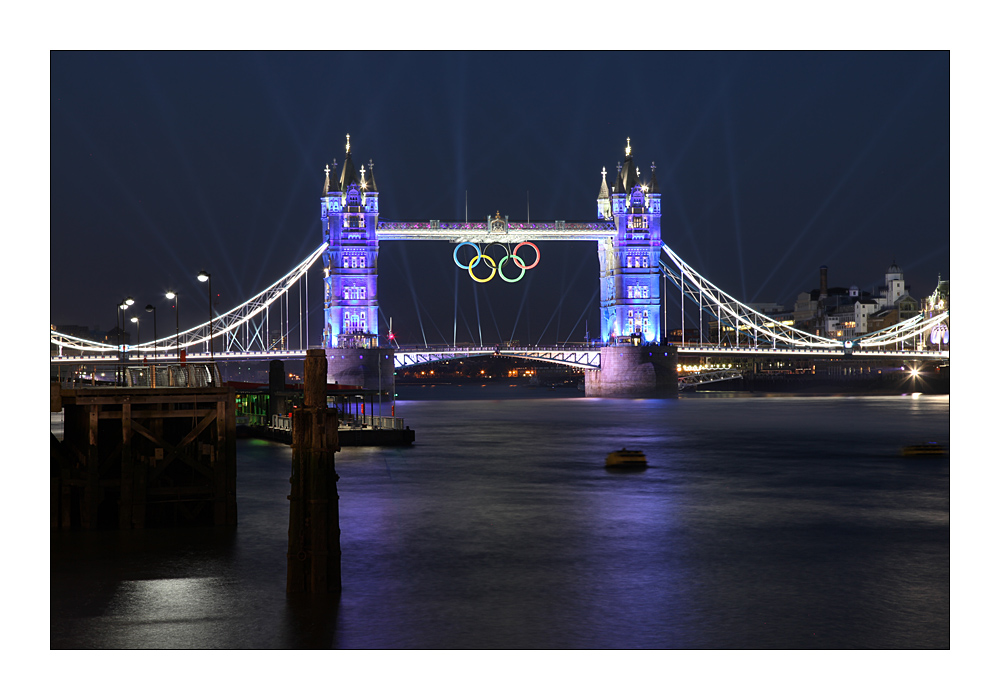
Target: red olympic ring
519	260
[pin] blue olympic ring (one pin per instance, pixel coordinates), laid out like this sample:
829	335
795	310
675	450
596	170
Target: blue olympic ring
455	254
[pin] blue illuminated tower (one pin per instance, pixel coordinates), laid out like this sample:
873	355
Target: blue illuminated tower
349	215
630	274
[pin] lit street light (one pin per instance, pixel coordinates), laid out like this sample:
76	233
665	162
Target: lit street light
177	322
135	320
120	323
205	277
150	307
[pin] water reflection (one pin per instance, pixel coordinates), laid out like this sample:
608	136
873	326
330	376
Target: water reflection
787	522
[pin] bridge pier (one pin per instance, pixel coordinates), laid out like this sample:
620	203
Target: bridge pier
368	368
634	371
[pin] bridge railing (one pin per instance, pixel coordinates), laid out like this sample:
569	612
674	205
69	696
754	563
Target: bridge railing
348	421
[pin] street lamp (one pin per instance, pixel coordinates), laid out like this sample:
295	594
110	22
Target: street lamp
135	320
205	277
120	322
150	307
177	321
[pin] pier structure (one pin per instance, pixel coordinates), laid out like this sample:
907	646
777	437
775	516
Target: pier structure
139	457
314	512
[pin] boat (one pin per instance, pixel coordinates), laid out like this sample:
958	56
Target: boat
925	449
626	459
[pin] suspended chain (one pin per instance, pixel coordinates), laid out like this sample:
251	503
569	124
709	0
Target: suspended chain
726	308
244	315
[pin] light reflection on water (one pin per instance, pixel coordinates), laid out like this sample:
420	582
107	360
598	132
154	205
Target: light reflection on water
762	522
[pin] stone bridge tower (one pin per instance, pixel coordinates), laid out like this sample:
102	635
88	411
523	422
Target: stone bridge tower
630	270
349	216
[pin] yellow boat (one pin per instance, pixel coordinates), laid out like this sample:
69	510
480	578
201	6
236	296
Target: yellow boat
925	449
626	459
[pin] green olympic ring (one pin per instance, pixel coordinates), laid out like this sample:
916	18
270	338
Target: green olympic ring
518	262
475	261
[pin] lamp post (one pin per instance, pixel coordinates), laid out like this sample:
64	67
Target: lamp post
135	320
205	277
120	322
177	322
150	307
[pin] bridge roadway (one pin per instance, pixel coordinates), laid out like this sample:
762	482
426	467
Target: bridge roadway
581	357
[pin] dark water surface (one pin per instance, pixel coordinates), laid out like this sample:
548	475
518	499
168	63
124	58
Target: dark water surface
763	522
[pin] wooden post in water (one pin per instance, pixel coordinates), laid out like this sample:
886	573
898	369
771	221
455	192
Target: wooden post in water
314	513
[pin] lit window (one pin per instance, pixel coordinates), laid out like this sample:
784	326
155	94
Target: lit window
630	292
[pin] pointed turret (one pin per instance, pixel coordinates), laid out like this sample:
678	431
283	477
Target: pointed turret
371	177
653	187
604	197
349	175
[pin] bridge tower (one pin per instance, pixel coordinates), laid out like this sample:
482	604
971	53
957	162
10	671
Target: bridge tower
349	214
630	272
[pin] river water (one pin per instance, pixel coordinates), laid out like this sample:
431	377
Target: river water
763	522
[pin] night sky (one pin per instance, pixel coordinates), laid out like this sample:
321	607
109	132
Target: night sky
770	165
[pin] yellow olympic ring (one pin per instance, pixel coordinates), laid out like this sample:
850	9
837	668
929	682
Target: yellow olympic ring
475	261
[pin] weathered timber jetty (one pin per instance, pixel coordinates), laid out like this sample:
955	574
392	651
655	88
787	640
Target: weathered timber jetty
137	457
314	512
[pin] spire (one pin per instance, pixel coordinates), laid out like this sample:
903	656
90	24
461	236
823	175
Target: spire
628	176
348	175
603	192
653	187
371	177
330	184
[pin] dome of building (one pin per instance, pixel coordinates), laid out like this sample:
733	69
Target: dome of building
893	269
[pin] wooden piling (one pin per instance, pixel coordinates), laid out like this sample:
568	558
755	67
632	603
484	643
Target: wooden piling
314	513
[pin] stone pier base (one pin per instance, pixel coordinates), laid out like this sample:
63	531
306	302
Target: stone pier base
630	371
361	367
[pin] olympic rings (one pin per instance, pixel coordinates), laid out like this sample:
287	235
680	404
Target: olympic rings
455	255
538	256
494	267
518	262
475	261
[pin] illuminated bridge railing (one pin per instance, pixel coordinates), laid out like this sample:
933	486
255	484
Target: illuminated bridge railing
458	231
579	358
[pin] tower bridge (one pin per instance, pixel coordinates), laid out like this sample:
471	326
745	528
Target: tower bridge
630	357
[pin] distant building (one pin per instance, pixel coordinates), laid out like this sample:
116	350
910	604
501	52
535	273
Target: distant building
845	313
